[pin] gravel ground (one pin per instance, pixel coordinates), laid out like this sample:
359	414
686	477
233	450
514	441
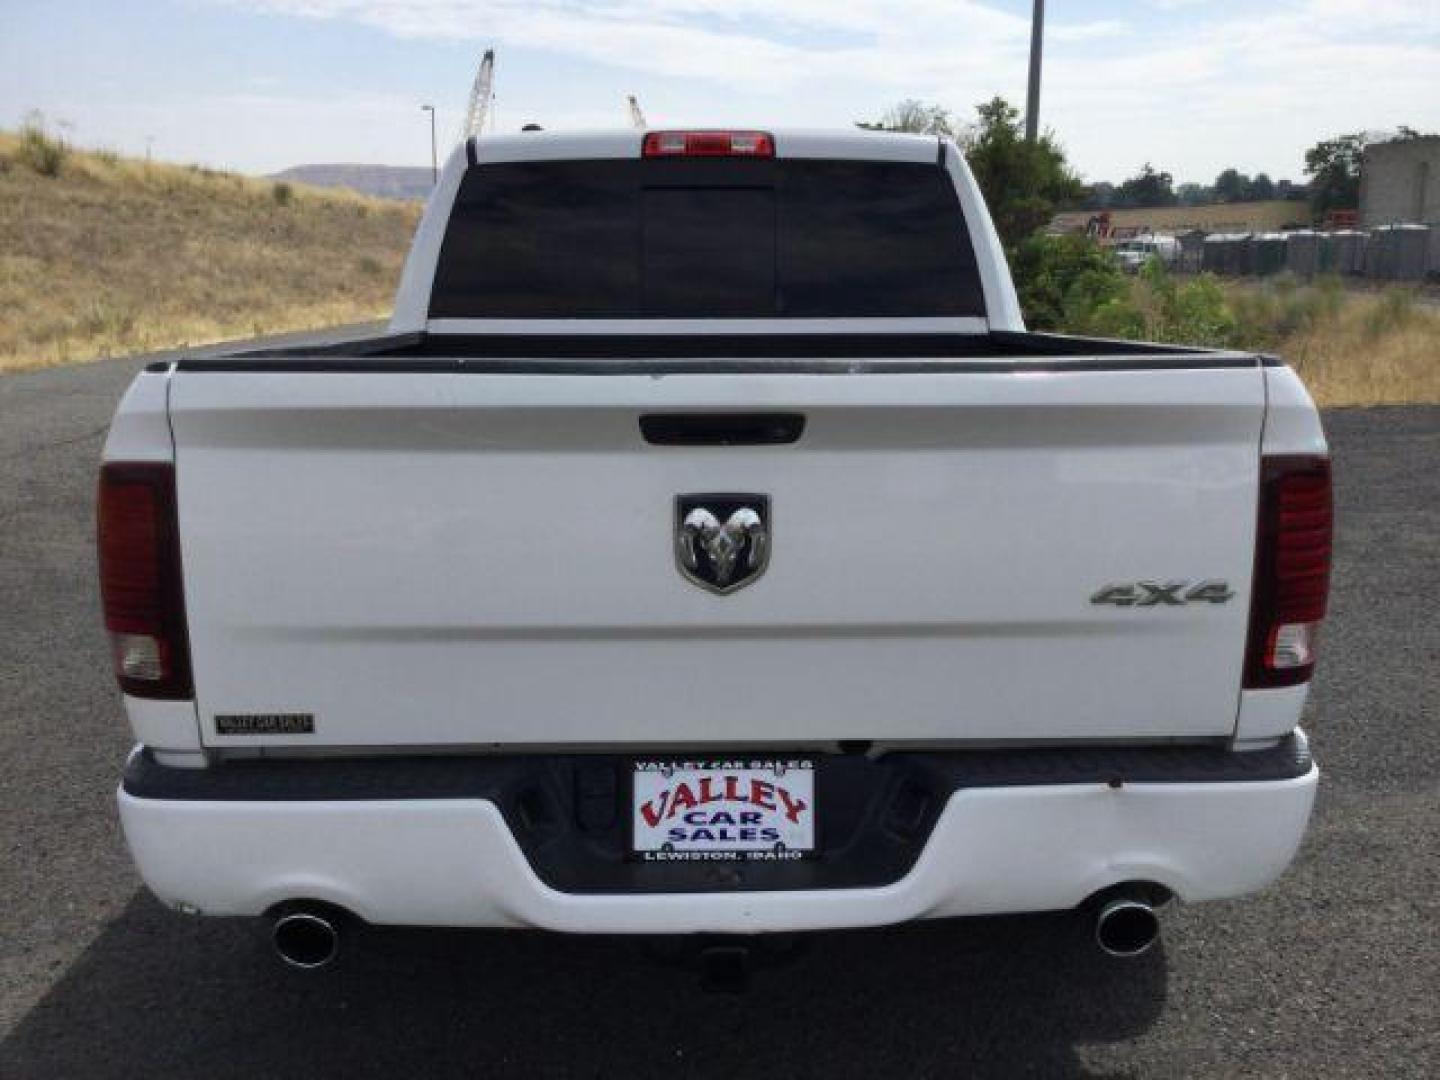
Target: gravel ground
1330	973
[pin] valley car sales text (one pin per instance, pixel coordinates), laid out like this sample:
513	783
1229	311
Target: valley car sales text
723	809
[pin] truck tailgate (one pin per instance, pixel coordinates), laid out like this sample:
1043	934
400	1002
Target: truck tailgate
422	558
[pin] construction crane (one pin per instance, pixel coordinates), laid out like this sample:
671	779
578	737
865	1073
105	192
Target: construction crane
480	97
637	118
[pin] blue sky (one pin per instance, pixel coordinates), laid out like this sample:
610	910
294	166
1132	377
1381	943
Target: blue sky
1191	85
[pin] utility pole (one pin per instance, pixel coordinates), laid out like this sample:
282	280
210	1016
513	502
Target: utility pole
434	162
1032	98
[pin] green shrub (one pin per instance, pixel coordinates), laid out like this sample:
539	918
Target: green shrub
1064	282
282	193
1071	284
370	265
38	151
1189	312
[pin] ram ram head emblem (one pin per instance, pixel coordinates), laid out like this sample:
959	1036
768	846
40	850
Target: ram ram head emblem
722	542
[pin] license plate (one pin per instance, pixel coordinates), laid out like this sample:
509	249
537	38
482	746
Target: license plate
724	809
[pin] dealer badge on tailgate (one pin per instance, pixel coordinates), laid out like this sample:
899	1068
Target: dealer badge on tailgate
723	809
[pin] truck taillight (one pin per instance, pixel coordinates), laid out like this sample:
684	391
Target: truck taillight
140	587
1292	570
754	144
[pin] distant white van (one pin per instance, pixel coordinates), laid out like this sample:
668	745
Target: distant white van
1133	254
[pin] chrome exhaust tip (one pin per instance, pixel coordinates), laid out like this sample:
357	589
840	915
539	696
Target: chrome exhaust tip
1126	927
307	940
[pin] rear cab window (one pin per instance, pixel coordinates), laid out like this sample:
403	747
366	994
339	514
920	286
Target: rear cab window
698	238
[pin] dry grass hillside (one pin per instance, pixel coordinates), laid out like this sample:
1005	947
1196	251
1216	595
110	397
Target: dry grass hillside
102	256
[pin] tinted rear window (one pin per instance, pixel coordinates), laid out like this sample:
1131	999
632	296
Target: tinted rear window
706	238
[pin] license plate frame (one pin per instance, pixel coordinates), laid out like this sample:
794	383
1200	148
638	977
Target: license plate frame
785	780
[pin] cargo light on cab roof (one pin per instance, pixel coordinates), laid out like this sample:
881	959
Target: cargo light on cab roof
753	144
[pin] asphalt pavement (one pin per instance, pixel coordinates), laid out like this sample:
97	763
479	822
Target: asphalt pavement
1335	971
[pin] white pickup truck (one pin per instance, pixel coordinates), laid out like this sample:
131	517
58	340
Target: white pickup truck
708	548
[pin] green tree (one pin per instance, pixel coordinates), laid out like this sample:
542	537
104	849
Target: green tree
1334	168
1190	312
1147	188
1230	186
1098	196
1069	283
1261	189
1023	182
916	117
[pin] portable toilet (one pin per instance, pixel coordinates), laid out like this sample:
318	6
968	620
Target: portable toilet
1192	251
1268	253
1302	252
1347	251
1357	252
1242	254
1213	253
1378	253
1327	254
1397	252
1411	244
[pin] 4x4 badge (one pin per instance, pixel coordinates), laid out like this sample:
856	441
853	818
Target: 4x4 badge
722	542
1163	594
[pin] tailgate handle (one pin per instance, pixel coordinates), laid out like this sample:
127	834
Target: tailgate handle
722	429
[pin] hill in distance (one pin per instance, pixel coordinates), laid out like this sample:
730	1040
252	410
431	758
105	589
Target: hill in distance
382	181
